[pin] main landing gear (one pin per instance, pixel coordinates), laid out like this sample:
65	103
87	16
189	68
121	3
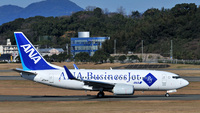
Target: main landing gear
100	94
167	95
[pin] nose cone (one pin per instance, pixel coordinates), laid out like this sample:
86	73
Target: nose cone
184	83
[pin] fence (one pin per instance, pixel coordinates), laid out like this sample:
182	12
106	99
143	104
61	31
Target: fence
176	61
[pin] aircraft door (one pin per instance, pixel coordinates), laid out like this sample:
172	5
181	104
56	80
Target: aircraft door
51	78
164	80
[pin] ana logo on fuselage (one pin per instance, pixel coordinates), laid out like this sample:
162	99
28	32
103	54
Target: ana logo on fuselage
34	56
149	79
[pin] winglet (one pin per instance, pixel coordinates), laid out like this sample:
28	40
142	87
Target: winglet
75	67
69	74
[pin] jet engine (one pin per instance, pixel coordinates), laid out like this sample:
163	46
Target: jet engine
123	89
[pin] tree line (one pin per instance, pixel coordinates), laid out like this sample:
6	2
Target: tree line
101	57
156	27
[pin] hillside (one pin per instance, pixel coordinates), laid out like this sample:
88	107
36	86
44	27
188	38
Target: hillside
9	12
44	8
156	27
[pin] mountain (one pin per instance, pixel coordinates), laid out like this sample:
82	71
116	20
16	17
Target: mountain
44	8
9	12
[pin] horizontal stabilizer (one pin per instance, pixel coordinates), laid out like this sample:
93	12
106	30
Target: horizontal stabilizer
22	71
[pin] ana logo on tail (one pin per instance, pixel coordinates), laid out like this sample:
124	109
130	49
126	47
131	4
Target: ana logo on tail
34	56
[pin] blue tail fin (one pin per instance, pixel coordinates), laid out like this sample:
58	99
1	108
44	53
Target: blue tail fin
30	57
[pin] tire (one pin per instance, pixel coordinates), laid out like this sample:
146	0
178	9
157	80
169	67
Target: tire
167	95
100	95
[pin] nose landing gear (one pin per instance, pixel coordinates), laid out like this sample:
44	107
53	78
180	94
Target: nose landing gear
167	95
170	91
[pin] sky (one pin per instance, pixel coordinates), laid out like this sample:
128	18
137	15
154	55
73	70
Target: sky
113	5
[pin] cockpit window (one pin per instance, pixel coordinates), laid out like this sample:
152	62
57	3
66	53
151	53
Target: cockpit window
176	77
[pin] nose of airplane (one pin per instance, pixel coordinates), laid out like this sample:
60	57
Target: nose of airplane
184	83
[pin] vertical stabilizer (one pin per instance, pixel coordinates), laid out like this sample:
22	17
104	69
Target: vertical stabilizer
30	57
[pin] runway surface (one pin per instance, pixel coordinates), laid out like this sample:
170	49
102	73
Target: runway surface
94	98
11	78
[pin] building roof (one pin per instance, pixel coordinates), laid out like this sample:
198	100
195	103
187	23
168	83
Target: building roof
90	38
46	50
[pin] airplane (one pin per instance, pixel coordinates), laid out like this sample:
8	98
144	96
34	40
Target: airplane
117	81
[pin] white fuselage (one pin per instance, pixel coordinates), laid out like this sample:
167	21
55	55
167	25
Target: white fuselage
141	79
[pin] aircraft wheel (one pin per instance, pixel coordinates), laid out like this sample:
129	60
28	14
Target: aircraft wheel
167	95
100	94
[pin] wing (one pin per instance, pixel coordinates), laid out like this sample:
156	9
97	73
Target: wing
94	84
97	84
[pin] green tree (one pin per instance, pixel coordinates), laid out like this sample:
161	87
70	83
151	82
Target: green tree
100	56
111	59
151	12
122	58
54	58
62	57
82	57
183	9
47	58
98	12
135	14
133	57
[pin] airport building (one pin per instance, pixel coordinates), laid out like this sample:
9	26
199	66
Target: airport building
10	49
50	51
85	43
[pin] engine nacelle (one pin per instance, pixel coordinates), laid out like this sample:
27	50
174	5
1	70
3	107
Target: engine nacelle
123	89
